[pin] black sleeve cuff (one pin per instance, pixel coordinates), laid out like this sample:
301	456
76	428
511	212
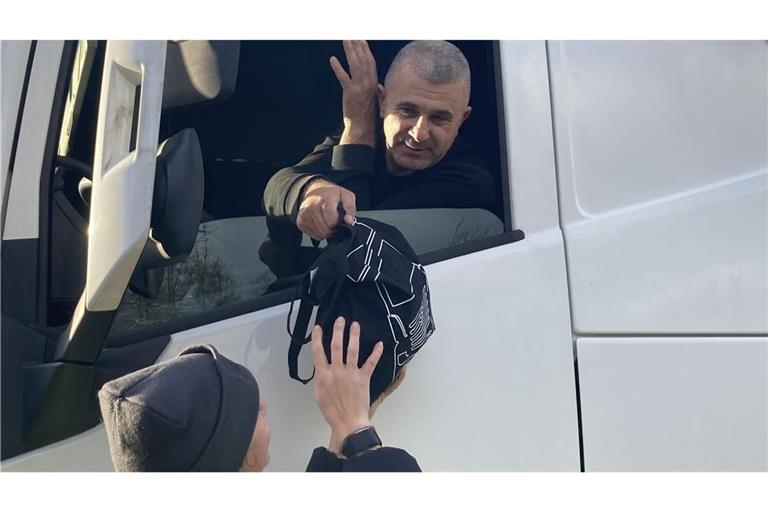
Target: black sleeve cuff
324	461
385	459
293	199
353	157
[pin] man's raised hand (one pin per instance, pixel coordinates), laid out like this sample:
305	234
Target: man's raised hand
359	93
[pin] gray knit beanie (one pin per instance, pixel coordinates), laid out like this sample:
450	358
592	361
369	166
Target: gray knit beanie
195	412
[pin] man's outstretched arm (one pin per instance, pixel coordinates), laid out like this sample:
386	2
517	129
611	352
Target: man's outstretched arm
340	169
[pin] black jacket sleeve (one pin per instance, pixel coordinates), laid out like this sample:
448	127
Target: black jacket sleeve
384	459
351	166
324	461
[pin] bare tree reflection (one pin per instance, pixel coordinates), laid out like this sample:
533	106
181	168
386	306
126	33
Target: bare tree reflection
202	281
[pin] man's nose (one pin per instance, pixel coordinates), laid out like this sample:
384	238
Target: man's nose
420	131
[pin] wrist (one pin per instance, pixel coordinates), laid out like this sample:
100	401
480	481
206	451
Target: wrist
313	185
360	441
358	133
334	445
340	432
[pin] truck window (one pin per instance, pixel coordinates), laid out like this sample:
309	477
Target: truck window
276	114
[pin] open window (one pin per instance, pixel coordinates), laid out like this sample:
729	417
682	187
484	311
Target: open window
286	100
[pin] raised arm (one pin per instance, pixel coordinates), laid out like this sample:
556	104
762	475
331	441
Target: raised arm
341	168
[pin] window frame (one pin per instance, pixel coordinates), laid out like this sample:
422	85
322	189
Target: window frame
285	296
69	52
282	297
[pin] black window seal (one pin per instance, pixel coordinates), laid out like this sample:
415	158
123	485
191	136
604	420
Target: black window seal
502	131
481	244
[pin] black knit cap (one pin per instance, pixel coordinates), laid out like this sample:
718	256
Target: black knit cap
195	412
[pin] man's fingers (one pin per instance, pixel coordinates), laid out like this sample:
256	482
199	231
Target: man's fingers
338	70
353	348
323	229
360	66
373	359
337	342
360	57
318	354
330	214
370	62
348	201
368	55
367	51
311	226
352	59
348	48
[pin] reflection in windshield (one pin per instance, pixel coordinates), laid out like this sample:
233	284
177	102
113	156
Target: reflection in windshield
225	267
201	282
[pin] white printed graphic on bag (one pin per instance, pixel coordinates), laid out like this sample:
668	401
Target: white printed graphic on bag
409	332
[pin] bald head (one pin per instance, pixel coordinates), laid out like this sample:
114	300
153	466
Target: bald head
438	62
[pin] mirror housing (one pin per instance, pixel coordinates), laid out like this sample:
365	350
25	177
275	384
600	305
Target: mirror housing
177	207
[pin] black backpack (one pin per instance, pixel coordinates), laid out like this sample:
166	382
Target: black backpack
370	274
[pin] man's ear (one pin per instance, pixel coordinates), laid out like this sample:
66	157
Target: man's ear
465	115
380	95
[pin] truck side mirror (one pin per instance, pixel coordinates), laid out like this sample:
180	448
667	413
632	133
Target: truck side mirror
177	207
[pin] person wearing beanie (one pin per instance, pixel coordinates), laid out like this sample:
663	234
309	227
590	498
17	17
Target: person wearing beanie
201	412
197	412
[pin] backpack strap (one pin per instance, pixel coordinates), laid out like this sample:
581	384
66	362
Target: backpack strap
298	336
306	305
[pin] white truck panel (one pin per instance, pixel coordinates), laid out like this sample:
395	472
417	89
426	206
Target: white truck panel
689	264
663	180
13	64
500	366
23	215
641	120
674	404
495	384
528	119
123	176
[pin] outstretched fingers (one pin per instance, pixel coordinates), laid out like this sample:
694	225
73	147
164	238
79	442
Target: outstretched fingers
337	349
338	70
373	359
318	354
337	343
353	348
367	55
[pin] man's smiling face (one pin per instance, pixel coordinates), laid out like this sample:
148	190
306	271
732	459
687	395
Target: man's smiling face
421	119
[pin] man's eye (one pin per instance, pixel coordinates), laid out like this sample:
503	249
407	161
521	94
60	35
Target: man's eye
440	120
407	112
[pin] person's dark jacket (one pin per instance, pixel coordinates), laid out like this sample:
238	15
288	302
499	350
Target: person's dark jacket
459	180
386	459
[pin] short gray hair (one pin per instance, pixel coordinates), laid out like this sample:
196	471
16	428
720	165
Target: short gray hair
438	62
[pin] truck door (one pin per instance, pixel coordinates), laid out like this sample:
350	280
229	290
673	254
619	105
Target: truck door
499	369
662	178
77	221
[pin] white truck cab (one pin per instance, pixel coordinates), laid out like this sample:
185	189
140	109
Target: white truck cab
610	313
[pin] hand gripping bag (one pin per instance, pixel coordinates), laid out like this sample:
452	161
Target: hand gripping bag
370	274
